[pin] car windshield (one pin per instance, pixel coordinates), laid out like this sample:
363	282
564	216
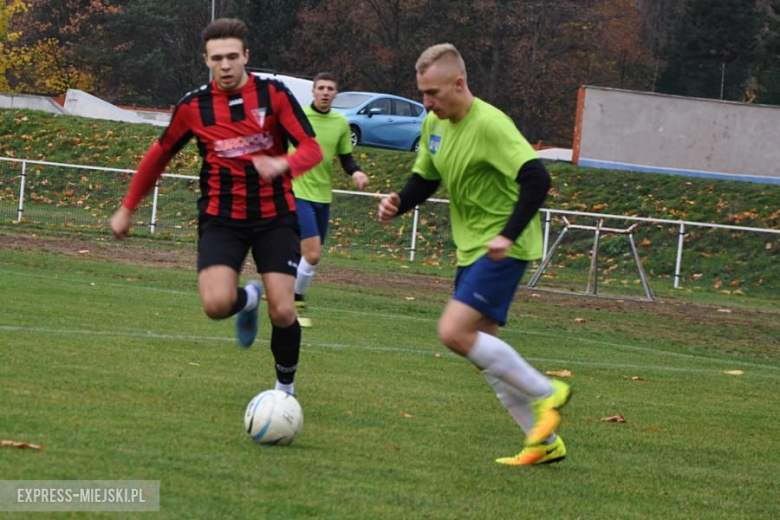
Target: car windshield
349	100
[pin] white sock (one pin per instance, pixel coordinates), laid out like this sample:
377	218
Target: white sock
516	403
251	297
305	274
497	357
290	389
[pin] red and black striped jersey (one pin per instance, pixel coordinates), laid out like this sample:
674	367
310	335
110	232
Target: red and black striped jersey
262	117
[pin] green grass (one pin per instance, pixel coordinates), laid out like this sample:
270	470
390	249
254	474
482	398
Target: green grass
115	369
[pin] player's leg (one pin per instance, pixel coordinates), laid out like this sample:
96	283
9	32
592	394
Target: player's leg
520	408
459	331
311	249
484	290
313	218
221	252
277	253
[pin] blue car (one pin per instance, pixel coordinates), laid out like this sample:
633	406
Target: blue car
382	120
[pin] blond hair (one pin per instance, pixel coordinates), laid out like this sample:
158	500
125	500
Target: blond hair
446	51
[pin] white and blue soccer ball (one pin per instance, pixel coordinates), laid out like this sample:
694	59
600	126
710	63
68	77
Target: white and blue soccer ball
273	417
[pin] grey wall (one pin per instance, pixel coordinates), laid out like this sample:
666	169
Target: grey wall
672	134
23	101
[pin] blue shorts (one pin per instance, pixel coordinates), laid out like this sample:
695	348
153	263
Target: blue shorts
489	286
313	218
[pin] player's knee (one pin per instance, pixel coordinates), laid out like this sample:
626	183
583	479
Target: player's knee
216	309
451	337
282	315
313	257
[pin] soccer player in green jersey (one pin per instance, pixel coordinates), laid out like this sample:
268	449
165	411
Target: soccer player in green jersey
313	191
496	185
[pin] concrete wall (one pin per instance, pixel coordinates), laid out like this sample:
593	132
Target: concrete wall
23	101
79	103
671	134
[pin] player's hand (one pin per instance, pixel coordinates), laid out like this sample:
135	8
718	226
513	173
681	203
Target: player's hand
388	207
120	222
360	180
270	167
498	247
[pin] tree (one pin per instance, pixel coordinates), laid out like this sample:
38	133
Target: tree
48	55
10	57
711	49
765	87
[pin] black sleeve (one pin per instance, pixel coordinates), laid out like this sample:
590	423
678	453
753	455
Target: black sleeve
348	163
534	184
416	191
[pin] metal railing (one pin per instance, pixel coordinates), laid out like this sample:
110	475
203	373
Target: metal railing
438	230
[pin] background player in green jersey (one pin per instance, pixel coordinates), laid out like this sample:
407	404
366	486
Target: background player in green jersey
313	191
496	185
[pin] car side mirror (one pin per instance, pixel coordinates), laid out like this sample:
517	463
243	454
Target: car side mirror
374	111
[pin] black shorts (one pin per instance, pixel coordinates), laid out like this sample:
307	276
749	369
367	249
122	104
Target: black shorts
275	243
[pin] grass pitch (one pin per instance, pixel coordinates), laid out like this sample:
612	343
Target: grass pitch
114	368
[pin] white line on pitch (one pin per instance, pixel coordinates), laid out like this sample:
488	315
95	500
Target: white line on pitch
12	328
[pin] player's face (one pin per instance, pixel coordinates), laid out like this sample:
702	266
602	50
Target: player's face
440	87
323	93
227	58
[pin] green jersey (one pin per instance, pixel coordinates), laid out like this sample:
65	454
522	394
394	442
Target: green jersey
332	131
478	160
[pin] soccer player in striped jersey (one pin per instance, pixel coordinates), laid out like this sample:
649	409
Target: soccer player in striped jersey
243	126
496	185
314	191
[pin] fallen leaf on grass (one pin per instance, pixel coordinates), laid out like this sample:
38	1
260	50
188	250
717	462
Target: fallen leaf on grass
22	445
580	320
733	372
406	415
614	419
559	373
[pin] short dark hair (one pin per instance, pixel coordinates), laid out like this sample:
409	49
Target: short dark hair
327	76
225	28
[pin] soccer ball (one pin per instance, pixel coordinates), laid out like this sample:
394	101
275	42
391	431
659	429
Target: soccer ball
273	417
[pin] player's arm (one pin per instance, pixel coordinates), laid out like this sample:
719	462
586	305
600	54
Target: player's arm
534	181
150	169
416	191
353	170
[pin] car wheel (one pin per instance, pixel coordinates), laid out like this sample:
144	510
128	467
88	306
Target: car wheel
416	145
355	135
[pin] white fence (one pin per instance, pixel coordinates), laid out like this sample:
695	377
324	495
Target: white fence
83	197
